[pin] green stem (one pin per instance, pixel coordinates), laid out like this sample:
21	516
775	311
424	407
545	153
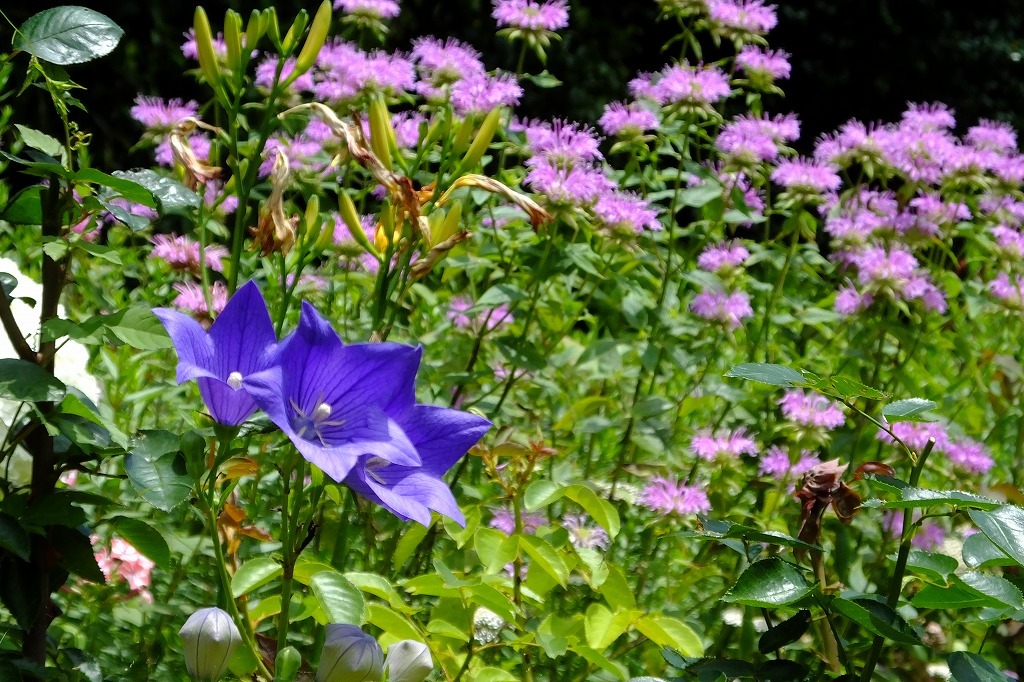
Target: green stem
896	584
762	332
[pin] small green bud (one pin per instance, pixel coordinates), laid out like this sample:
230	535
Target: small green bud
314	40
287	664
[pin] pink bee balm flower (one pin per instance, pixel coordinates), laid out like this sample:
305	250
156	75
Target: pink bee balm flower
692	87
158	114
528	15
626	210
182	253
668	496
916	434
479	93
190	298
724	256
811	409
763	66
994	135
776	463
971	456
804	176
583	534
505	521
627	120
742	16
720	306
371	9
724	444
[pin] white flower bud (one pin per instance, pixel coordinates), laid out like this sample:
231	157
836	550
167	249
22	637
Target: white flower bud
408	661
349	655
210	637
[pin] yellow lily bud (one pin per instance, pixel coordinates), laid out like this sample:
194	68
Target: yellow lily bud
311	222
446	226
269	24
481	142
463	134
350	217
382	135
291	39
204	48
233	39
255	29
314	40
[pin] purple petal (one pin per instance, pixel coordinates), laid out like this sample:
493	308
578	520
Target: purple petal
227	405
195	349
243	333
441	435
409	493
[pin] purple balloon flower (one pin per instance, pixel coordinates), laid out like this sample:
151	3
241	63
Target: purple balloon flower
441	436
240	342
342	404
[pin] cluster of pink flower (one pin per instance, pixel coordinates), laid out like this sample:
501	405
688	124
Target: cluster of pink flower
709	445
668	496
726	306
122	559
807	408
964	453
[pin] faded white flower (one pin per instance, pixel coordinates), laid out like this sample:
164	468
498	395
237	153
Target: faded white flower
487	625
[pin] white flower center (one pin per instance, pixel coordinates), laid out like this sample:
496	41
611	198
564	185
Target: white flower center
235	380
321	412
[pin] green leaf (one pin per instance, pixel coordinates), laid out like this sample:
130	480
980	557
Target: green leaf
919	498
599	509
936	567
41	141
769	583
123	187
774	375
172	195
254	573
76	553
157	469
26	381
413	536
598	659
13	537
602	627
542	79
392	622
907	410
68	35
701	195
784	633
499	294
1005	528
100	251
616	590
144	538
377	585
341	601
980	552
20	592
26	208
545	557
719	529
877	618
999	589
967	667
666	631
60	507
140	328
495	549
541	494
969	590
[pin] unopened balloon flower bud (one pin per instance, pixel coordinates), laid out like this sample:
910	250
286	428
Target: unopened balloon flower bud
210	638
350	655
408	661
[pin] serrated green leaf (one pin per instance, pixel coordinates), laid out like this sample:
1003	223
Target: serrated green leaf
68	35
774	375
1004	526
878	618
144	538
26	381
157	469
172	195
769	583
908	409
965	666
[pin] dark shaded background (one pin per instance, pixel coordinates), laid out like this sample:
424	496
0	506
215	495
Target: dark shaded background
851	58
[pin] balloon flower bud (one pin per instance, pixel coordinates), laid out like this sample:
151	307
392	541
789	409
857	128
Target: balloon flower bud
408	661
349	655
210	637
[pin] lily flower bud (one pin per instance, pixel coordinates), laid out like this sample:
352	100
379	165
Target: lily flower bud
210	638
314	41
350	655
408	661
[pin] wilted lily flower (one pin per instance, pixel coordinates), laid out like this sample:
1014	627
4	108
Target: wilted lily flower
408	661
349	655
237	345
210	638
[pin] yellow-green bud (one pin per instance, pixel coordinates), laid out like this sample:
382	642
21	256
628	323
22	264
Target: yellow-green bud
314	40
204	48
481	142
210	638
382	135
255	29
271	27
350	217
233	39
287	664
291	39
349	655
